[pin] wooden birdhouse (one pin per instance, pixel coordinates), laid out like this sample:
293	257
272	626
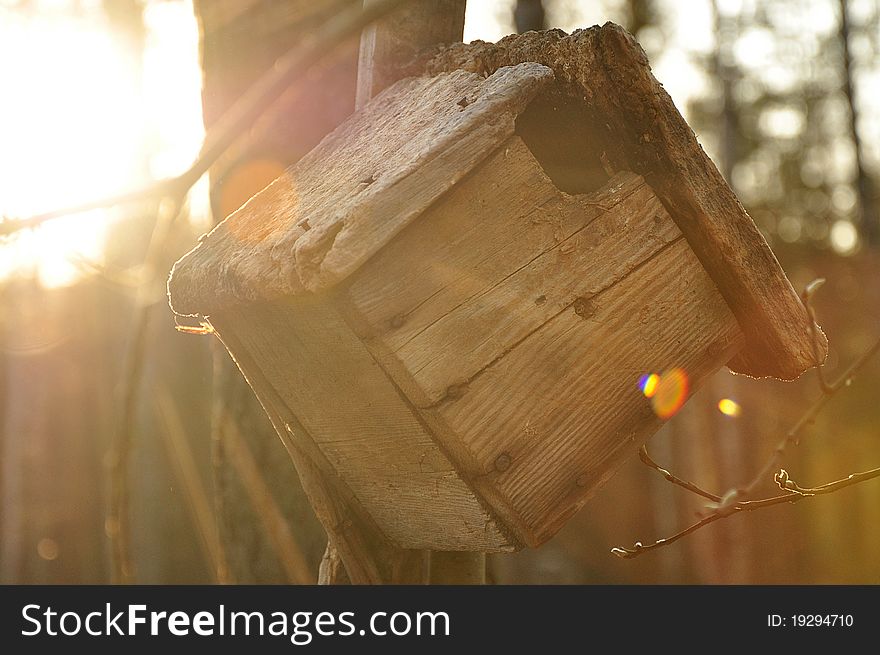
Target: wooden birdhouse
446	307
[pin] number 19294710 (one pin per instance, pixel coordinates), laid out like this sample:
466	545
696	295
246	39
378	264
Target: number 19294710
810	621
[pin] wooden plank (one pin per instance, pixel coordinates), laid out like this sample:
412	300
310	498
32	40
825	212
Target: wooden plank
342	202
488	225
549	421
640	129
363	426
499	257
349	528
386	43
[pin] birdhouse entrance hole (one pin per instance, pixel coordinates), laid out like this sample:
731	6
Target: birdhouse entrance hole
559	130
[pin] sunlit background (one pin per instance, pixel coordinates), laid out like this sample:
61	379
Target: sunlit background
100	102
101	97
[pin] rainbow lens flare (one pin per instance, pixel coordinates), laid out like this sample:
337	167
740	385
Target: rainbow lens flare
729	407
648	384
667	391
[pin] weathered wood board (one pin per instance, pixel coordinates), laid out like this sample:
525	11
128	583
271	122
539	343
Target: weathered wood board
497	259
364	428
366	181
521	332
549	421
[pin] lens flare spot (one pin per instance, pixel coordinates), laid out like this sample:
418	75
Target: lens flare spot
670	393
648	384
729	407
48	549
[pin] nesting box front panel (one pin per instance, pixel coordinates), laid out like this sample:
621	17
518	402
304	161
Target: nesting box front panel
519	320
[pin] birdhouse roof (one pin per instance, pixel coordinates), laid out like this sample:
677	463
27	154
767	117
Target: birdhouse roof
343	201
378	171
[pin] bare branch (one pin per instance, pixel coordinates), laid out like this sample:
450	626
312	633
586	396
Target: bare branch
807	298
808	418
639	549
793	493
156	190
785	483
733	502
690	486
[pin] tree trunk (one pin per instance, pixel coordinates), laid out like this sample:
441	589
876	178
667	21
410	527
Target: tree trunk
266	523
868	219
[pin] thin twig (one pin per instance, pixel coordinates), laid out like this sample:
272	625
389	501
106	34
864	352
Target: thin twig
690	486
785	483
734	501
284	74
794	494
808	418
156	190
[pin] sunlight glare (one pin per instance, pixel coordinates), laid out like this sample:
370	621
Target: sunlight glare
65	134
648	384
729	407
74	126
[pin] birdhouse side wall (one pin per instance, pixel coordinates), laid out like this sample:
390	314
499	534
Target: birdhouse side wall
519	319
355	425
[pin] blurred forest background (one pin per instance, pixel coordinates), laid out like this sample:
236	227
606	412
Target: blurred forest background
101	96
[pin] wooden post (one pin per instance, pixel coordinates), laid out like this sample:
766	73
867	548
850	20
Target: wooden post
389	44
386	46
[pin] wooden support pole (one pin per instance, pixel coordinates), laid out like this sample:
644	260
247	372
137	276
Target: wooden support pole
389	44
386	46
